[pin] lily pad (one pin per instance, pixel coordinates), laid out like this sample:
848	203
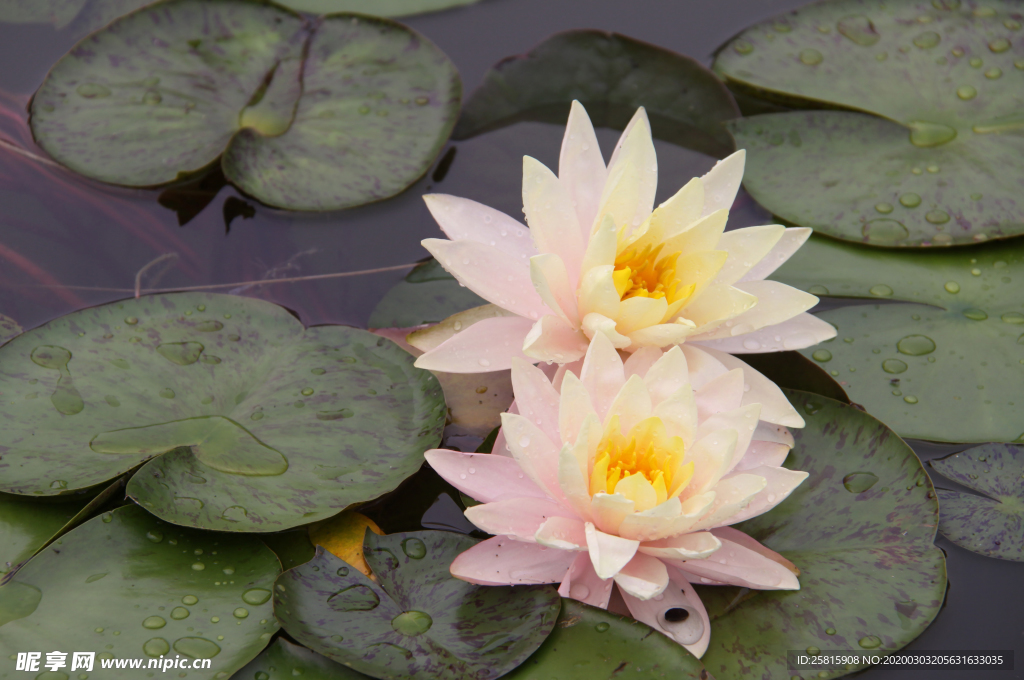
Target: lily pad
943	369
428	294
992	524
8	328
794	371
342	536
284	661
611	75
860	529
305	116
590	643
129	586
942	165
263	425
27	525
420	621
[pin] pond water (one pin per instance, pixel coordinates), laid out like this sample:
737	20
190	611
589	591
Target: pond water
68	243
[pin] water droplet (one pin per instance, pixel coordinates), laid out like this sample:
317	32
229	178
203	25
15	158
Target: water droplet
811	57
742	47
485	363
167	393
65	397
830	631
870	642
858	482
815	290
256	416
910	399
881	290
751	344
180	353
422	101
884	230
999	45
155	535
579	591
966	92
927	40
859	29
952	287
993	73
156	647
1012	317
254	596
179	613
335	415
937	216
813	651
910	200
414	548
916	345
822	355
812	407
197	647
975	314
192	599
357	598
154	622
894	366
198	566
925	134
343	571
240	613
412	623
234	513
524	441
92	91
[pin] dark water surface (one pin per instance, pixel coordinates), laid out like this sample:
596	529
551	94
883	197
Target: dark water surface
67	243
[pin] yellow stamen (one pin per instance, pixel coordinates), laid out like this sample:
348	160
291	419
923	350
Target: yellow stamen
644	273
645	465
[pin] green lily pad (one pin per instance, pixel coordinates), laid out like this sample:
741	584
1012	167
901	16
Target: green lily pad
992	524
8	328
942	164
127	585
944	369
304	116
27	525
263	425
861	531
419	621
284	661
794	371
611	75
590	644
428	294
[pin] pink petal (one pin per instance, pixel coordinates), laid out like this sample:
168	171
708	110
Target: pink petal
602	374
552	339
536	454
770	454
573	409
609	553
732	495
803	330
486	346
666	375
740	538
696	545
641	361
483	476
721	394
775	407
769	432
581	168
790	242
536	399
551	216
465	220
743	420
780	483
582	583
551	281
518	517
500	561
703	366
644	577
563	533
739	566
694	632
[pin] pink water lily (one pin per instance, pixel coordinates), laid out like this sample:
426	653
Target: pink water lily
629	474
599	259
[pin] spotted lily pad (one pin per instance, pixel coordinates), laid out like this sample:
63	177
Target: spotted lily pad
305	116
419	621
860	529
991	524
127	585
589	643
611	75
263	425
939	165
944	369
284	661
8	328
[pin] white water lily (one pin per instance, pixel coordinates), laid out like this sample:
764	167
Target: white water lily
598	258
629	474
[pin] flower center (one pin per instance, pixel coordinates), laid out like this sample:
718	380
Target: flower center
645	465
641	273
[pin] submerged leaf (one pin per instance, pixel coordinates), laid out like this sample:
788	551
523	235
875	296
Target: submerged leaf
263	425
942	164
305	115
942	369
420	621
611	75
992	524
861	531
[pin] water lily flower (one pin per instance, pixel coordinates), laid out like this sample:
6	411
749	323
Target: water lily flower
599	259
629	474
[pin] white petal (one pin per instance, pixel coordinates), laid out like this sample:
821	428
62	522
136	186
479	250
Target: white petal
573	483
632	404
746	248
791	240
715	306
661	335
629	191
644	577
803	330
602	246
669	373
597	293
602	374
732	495
775	407
609	553
671	518
693	633
758	453
640	363
581	168
695	546
465	220
552	339
608	511
776	303
712	457
551	281
703	367
768	432
722	182
724	393
574	407
679	414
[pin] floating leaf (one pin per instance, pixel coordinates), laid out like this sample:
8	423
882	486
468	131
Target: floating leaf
592	643
794	371
284	661
27	525
943	163
420	621
263	425
306	115
861	531
342	536
943	369
127	585
8	328
992	524
428	294
611	75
